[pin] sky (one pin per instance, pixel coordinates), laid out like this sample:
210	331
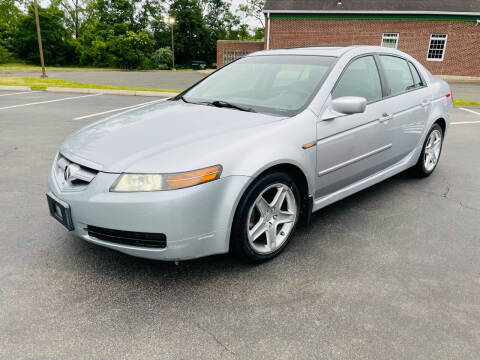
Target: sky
249	21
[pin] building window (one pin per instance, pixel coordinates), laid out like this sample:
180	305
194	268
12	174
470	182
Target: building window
231	55
390	40
436	50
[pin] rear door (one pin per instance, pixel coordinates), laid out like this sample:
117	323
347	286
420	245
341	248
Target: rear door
352	147
407	103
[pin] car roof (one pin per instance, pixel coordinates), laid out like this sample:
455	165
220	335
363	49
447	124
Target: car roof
335	51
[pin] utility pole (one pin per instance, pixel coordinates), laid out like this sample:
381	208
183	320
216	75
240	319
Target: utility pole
39	36
173	48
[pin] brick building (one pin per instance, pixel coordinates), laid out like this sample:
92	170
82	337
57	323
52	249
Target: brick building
442	34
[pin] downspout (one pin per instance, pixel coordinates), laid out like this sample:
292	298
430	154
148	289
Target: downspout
268	30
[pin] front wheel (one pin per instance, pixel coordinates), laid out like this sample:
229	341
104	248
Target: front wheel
432	148
266	218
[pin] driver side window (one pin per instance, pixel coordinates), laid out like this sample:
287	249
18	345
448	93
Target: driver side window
360	78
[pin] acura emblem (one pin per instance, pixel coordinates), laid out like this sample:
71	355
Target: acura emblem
70	171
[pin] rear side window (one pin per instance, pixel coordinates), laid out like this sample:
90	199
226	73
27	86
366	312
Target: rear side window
416	77
360	78
398	74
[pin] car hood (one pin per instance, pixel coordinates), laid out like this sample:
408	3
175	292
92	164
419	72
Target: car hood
121	142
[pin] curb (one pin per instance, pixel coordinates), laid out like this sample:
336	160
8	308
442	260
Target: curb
453	78
111	92
19	88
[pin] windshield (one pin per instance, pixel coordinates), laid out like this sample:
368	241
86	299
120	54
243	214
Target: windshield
275	84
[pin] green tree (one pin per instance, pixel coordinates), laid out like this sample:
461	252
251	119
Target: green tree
254	8
259	33
74	14
10	16
92	50
58	45
133	50
5	56
192	37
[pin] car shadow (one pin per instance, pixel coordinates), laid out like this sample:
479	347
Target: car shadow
308	244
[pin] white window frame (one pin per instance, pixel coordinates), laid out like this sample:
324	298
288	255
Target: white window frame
390	36
435	37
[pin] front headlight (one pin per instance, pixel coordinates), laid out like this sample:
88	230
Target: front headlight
161	182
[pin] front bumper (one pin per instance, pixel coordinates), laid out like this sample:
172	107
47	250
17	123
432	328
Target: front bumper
195	220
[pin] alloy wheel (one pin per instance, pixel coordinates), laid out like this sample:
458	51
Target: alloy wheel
271	218
432	150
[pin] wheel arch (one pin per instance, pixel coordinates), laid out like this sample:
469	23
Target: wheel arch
443	124
293	170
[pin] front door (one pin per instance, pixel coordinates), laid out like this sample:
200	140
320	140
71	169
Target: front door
352	147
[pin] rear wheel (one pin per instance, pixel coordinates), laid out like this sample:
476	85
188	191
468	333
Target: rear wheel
266	218
432	148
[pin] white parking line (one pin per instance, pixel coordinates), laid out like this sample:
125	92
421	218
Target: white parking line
467	122
470	111
464	122
119	109
18	93
48	101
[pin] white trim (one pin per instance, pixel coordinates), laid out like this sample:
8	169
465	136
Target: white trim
444	46
396	38
466	13
268	32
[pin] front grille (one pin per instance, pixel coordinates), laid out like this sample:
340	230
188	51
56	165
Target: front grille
134	238
77	177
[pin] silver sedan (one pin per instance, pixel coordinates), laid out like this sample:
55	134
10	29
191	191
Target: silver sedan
237	161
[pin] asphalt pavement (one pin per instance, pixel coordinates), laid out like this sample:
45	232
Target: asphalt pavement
392	272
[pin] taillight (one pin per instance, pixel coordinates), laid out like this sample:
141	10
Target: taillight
449	95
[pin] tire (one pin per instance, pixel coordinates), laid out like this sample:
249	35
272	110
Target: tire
430	155
263	227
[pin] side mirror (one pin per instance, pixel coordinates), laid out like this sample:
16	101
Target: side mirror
349	105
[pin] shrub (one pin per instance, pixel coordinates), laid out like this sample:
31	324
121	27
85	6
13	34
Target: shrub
133	50
5	56
162	59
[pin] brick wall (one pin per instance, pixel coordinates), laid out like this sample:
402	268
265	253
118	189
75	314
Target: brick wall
233	48
462	55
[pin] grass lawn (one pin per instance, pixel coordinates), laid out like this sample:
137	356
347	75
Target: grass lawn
42	84
461	102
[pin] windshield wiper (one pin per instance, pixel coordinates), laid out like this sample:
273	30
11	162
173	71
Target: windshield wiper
226	104
218	103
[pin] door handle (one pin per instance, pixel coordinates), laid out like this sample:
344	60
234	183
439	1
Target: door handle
425	103
385	117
